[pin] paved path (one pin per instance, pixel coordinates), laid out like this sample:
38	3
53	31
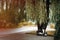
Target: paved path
21	36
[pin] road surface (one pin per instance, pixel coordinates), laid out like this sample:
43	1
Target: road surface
22	36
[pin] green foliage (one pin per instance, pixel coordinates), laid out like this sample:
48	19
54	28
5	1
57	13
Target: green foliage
56	16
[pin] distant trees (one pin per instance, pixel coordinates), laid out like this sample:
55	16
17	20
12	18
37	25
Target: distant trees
11	11
15	11
30	10
36	10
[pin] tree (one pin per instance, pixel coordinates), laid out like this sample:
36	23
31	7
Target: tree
56	17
